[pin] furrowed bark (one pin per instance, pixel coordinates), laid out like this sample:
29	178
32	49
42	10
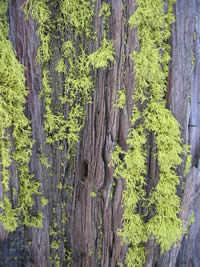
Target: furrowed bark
92	196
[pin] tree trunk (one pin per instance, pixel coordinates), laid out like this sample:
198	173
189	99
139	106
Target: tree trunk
84	210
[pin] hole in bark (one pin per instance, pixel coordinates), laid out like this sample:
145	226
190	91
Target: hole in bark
85	168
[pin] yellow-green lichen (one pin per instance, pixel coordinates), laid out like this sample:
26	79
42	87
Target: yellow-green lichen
57	234
44	201
121	98
191	220
91	252
41	13
93	194
100	239
14	129
9	217
187	163
75	64
59	186
105	13
152	117
79	15
44	161
103	55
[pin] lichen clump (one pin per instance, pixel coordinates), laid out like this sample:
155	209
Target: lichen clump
150	117
15	135
76	63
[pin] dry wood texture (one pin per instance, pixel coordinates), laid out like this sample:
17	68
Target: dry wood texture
89	232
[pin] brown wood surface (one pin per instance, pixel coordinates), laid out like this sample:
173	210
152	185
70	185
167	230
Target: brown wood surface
93	221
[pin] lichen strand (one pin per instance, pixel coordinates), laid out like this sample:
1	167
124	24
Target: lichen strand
14	126
77	92
78	14
150	116
42	15
78	17
75	63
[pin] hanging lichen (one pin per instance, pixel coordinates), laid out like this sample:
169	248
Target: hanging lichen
150	116
14	128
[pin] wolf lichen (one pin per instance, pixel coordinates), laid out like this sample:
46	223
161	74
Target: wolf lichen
72	23
105	53
15	134
150	117
79	15
187	163
121	98
78	82
41	13
75	63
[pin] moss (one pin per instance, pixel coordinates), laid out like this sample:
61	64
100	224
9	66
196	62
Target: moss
69	258
194	36
78	88
41	13
14	191
151	71
16	127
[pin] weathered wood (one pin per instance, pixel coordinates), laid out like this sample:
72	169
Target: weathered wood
90	232
184	103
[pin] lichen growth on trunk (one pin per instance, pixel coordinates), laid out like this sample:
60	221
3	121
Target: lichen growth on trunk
72	23
150	116
15	135
75	63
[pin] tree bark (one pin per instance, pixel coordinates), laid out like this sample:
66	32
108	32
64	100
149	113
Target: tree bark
90	231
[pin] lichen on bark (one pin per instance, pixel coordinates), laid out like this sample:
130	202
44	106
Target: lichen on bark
14	128
150	116
75	63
